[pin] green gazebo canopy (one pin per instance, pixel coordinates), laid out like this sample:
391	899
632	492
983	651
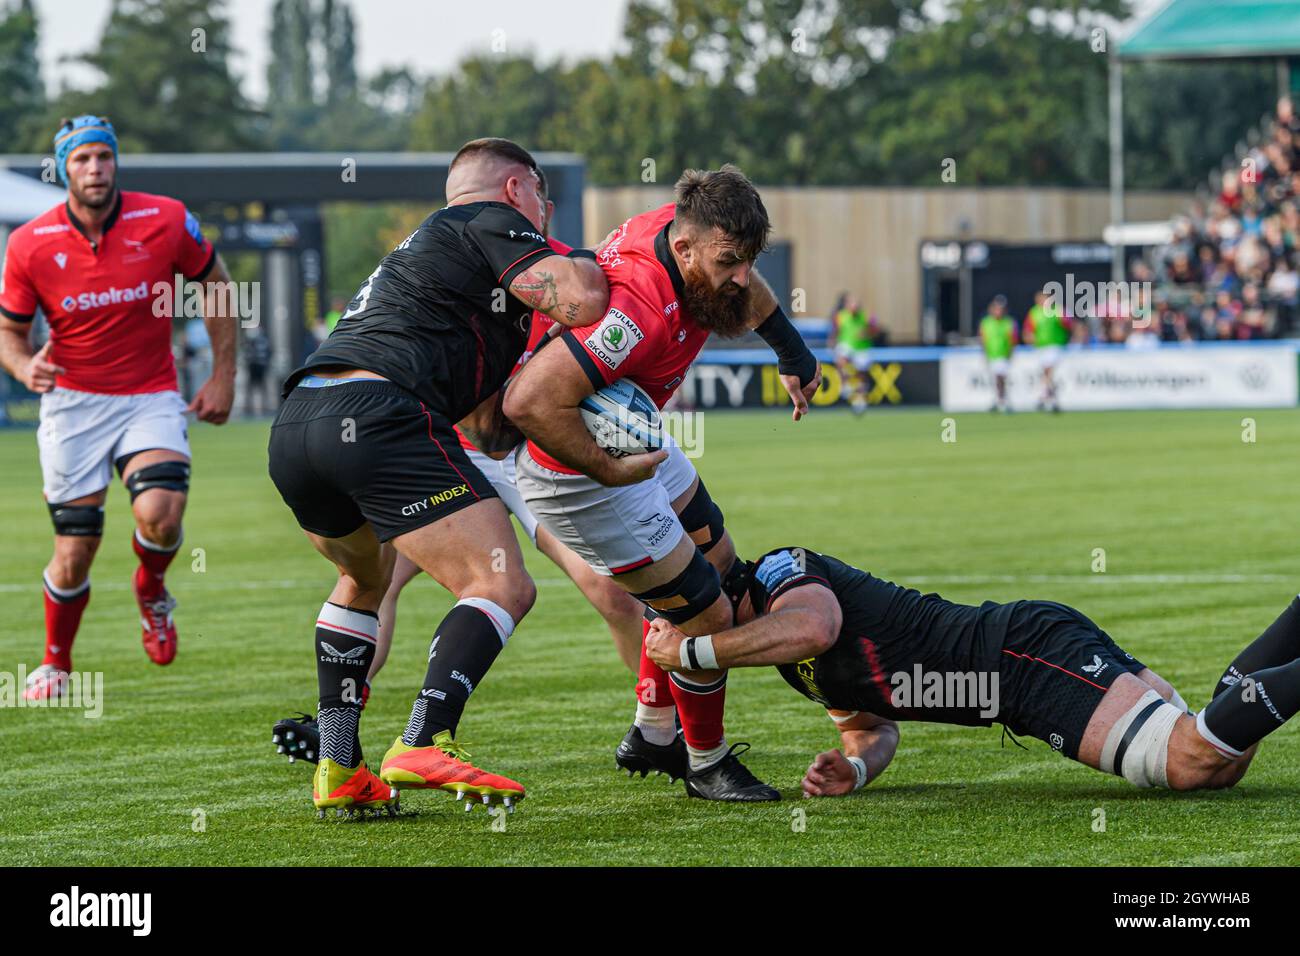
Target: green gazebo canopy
1217	29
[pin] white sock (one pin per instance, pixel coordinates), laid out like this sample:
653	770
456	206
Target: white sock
705	758
658	724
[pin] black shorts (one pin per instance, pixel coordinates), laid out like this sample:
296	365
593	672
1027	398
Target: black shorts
367	450
1056	666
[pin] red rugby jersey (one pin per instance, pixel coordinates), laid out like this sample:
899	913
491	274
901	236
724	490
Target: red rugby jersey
541	322
100	300
646	335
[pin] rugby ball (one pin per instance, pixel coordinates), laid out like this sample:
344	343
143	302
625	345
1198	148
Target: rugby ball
622	419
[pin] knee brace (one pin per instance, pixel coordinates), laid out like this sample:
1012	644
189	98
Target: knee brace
702	519
172	475
690	593
78	521
1137	747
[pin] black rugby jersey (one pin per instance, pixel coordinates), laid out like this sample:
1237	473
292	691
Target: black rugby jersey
888	630
437	317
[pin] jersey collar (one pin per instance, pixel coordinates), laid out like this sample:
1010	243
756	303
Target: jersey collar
108	223
665	256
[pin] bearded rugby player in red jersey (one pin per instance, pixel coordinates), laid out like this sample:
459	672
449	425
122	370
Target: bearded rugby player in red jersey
107	379
676	274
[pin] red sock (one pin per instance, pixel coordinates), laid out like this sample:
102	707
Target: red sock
652	686
700	708
62	618
153	565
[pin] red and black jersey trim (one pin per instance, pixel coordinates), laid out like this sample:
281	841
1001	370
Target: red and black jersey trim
16	316
789	584
108	223
207	266
584	358
523	262
665	256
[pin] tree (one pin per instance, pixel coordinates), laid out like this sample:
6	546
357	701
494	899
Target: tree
22	95
167	79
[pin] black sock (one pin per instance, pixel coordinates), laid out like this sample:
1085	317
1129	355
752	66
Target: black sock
345	647
466	643
1259	703
1279	644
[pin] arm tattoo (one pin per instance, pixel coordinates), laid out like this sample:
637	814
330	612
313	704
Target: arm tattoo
538	289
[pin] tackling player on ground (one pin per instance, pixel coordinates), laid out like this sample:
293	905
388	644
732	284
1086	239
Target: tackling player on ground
95	266
364	452
676	275
842	638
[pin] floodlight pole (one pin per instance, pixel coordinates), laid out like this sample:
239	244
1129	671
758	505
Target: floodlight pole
1115	72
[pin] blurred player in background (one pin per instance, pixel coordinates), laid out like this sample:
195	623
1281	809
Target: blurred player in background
676	275
852	336
998	335
1048	331
107	378
842	638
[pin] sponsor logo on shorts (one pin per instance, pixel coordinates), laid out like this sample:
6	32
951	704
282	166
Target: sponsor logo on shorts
614	339
947	690
665	523
110	296
1057	741
806	672
424	504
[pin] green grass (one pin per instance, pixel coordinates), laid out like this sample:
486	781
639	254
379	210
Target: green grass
1014	508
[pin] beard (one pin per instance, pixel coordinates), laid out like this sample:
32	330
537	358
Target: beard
724	313
89	202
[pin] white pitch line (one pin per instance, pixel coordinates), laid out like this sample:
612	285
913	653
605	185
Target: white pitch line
290	584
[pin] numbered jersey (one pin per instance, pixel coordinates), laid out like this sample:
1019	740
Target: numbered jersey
437	317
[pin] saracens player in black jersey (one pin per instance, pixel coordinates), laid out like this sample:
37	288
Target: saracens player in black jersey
874	653
364	453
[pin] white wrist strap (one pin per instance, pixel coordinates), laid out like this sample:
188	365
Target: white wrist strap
696	654
860	769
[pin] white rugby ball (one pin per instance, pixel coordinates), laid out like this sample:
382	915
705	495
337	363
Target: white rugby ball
623	419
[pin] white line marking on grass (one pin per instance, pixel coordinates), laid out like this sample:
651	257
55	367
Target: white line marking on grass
290	584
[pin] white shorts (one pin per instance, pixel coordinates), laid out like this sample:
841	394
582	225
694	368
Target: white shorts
613	529
84	434
501	475
1048	356
861	358
999	366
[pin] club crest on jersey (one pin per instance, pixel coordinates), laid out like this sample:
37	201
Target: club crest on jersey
614	339
61	260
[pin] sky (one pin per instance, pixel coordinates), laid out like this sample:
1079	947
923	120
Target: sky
428	36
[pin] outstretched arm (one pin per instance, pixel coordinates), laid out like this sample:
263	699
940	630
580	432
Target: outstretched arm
803	623
801	373
869	740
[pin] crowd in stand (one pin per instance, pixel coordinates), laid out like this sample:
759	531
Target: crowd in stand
1230	270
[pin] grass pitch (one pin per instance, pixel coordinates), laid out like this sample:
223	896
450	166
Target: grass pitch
1198	531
